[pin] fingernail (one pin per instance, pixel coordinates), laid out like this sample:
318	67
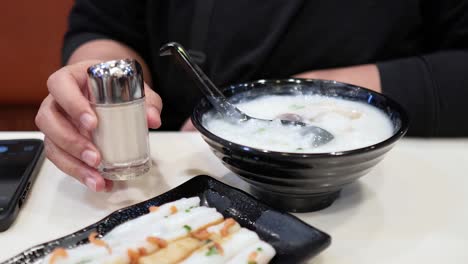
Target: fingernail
87	120
89	157
91	183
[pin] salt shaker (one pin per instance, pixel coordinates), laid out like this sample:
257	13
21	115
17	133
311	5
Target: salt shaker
116	93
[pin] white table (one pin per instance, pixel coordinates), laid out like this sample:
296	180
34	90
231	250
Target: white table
412	208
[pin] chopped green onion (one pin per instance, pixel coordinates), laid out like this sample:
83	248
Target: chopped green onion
188	210
84	261
296	107
188	228
212	251
259	249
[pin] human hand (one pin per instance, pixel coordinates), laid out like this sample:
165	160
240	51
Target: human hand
367	76
67	120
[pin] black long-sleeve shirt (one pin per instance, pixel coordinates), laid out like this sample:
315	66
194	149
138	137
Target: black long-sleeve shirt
419	46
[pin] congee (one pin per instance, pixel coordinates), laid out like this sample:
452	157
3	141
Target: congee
353	124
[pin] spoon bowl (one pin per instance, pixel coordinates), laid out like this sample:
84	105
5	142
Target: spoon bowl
224	107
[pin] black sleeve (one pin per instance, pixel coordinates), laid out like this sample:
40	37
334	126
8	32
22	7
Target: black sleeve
434	87
120	20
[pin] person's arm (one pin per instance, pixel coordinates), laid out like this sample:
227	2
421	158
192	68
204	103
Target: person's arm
432	87
361	75
65	116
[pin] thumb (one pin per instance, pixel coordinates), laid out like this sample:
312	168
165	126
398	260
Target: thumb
154	106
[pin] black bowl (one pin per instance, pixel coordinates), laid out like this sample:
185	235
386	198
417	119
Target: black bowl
301	182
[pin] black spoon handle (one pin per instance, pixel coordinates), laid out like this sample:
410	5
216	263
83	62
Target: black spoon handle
208	88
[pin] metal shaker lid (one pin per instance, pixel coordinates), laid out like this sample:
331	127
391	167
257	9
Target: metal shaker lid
116	81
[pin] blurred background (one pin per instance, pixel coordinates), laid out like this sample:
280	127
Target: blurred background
31	35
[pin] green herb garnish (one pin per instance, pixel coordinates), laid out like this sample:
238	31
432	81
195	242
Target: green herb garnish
84	261
259	249
296	107
252	262
212	251
188	210
188	228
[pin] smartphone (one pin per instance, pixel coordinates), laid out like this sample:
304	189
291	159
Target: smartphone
19	163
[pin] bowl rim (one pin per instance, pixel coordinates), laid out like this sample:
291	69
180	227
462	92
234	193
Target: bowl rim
397	135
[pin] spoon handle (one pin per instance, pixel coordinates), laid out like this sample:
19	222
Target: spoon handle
208	88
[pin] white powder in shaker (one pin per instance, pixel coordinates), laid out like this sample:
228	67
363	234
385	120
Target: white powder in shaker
122	133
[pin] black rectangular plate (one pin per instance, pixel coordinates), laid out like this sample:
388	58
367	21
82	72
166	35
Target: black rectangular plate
293	240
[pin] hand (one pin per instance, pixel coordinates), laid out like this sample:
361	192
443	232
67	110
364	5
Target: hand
362	75
67	120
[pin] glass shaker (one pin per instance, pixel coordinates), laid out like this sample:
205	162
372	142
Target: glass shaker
116	93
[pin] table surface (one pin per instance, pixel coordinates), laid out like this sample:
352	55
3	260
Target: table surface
411	208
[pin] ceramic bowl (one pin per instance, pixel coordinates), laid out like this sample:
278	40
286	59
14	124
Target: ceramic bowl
301	182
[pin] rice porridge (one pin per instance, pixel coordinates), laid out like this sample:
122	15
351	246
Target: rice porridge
353	124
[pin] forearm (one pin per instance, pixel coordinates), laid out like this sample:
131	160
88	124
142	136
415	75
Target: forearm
433	89
106	49
361	75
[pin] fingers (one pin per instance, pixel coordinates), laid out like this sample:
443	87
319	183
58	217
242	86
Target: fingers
66	118
66	86
64	135
153	107
74	167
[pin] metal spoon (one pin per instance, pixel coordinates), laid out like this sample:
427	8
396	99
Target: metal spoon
220	102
